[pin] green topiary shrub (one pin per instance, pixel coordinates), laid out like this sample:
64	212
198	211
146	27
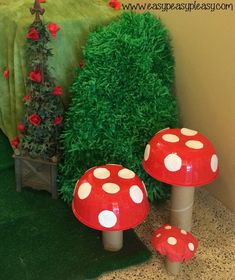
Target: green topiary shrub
120	99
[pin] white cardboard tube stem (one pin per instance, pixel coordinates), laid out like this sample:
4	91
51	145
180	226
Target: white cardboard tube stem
173	267
182	199
112	240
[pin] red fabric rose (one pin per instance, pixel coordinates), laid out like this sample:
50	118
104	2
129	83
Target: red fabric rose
33	34
58	120
115	4
26	97
20	127
35	76
53	28
42	1
34	119
15	142
57	90
6	73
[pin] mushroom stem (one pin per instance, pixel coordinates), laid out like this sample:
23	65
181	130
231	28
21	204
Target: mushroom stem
112	240
182	199
173	267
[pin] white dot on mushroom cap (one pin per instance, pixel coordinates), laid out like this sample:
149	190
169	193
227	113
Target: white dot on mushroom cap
171	240
183	232
188	132
101	173
170	138
194	144
214	163
158	235
107	218
126	173
173	162
147	152
84	190
136	194
111	188
191	246
167	227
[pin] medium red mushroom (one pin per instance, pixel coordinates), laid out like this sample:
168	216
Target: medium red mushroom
110	198
176	244
185	159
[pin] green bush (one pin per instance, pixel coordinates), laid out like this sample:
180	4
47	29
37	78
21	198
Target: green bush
120	99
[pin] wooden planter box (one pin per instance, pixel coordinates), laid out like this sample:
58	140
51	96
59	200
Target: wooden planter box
36	173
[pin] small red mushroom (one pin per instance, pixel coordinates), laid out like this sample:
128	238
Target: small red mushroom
176	244
110	198
185	159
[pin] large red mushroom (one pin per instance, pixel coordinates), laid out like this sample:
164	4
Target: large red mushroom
110	198
176	244
185	159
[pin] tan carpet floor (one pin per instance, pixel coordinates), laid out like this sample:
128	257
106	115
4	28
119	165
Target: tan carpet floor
213	225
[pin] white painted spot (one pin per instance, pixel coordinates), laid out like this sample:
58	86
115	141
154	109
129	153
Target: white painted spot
101	173
194	144
107	219
111	188
173	162
147	152
171	240
170	138
214	163
136	194
158	235
191	246
126	174
183	232
84	190
188	132
167	227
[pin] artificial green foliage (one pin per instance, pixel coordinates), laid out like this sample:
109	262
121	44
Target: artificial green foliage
42	123
120	99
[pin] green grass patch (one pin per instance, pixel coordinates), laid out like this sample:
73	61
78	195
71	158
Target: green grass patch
42	240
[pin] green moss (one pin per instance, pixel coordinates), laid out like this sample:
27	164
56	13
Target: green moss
120	99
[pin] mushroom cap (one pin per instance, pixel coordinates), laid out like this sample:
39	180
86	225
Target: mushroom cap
110	198
178	245
182	157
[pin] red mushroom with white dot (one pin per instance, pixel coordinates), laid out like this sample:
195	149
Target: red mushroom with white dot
185	159
110	198
176	244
